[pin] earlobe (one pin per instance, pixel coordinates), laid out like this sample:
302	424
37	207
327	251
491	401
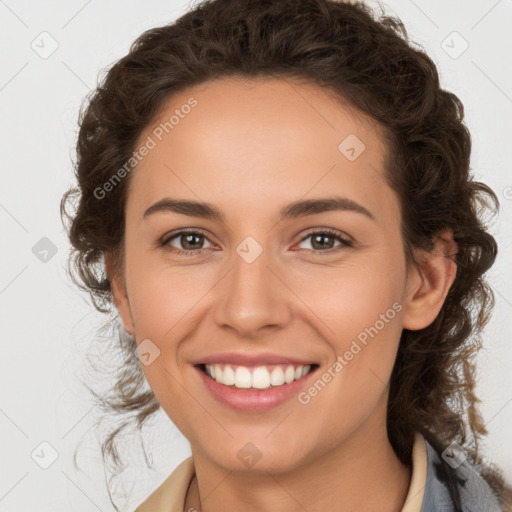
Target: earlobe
429	282
119	293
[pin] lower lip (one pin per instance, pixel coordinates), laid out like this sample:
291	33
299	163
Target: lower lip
253	400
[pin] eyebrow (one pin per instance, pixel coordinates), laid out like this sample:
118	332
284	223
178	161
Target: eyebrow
293	210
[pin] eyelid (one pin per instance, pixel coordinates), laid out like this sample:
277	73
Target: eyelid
183	231
330	231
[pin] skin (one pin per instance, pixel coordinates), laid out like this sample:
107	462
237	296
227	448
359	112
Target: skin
250	148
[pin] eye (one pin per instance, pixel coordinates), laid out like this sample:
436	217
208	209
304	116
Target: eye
189	242
323	241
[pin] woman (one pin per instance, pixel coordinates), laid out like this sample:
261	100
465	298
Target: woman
317	347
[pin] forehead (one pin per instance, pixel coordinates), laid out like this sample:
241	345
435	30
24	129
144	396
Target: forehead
261	140
263	107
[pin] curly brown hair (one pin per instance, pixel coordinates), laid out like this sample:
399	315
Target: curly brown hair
358	56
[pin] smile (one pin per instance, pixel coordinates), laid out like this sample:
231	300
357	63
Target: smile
256	377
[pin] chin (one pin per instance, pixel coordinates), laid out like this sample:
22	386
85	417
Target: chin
259	455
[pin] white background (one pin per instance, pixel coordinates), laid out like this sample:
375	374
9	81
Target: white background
47	325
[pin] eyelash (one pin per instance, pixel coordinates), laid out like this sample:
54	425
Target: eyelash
345	242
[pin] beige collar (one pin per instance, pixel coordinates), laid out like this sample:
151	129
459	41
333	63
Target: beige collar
171	493
414	498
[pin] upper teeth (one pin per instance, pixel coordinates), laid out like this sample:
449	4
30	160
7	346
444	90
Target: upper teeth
260	377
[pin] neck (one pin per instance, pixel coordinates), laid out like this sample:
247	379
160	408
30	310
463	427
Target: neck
361	474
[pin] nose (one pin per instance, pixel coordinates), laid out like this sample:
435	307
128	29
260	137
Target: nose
253	296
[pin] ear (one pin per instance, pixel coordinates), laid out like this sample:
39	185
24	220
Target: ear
429	281
119	292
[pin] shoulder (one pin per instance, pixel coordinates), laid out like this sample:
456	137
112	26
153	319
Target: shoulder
455	484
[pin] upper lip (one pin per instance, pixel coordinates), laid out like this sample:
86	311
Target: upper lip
251	359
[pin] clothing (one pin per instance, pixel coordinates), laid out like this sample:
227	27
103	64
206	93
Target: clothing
428	490
475	493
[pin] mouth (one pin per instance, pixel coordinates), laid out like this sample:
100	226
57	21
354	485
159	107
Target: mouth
254	383
260	378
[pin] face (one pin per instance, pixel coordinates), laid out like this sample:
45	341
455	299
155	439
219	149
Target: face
271	276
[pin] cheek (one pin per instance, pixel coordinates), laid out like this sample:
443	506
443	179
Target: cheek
162	296
352	297
361	309
178	405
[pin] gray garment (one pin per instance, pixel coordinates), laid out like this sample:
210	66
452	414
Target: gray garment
475	493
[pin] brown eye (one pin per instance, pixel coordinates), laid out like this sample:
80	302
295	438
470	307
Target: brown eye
186	242
324	241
